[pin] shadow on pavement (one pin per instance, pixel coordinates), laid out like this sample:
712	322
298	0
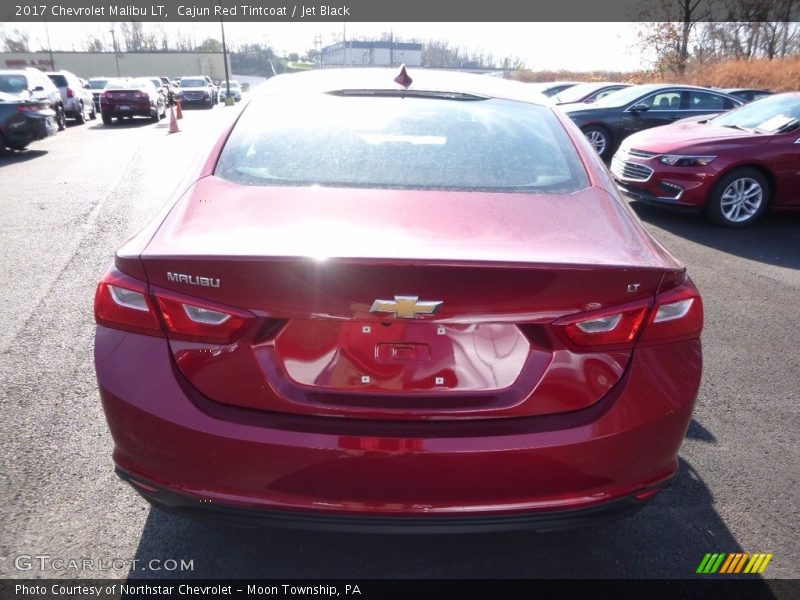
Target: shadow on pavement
700	433
128	123
667	539
774	240
10	157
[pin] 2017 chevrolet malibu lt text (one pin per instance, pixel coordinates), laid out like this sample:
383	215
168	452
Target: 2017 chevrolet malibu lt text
734	166
413	302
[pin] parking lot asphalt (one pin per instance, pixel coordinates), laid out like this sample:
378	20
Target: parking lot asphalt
69	201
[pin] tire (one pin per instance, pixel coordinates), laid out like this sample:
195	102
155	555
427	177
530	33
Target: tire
93	114
600	139
80	117
107	120
155	117
61	117
739	199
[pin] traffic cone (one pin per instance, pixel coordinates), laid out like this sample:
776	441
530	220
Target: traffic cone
173	122
178	110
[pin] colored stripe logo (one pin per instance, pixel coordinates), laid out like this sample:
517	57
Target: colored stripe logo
737	562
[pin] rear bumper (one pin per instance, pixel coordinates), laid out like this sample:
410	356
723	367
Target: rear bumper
26	129
135	110
200	457
189	507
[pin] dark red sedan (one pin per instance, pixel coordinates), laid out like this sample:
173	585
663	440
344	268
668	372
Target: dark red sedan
132	97
410	302
734	167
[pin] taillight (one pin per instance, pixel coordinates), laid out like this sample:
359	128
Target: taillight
200	321
26	108
618	326
70	93
677	315
122	302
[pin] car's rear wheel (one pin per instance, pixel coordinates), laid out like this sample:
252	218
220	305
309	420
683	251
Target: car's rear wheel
106	119
61	118
739	199
80	115
599	138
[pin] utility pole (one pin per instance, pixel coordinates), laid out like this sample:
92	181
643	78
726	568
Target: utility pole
228	100
116	49
50	48
318	48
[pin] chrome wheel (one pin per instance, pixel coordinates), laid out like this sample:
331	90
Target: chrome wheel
741	199
597	139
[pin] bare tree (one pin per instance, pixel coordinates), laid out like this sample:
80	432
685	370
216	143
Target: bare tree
133	36
94	44
15	41
671	36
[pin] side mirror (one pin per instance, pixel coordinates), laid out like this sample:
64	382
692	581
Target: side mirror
38	88
637	108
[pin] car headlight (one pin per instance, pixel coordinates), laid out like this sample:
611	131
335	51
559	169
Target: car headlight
685	160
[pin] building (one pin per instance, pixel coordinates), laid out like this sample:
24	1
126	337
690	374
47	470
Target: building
124	64
372	54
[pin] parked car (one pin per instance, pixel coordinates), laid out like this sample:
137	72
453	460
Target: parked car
734	167
32	84
162	89
236	90
415	301
588	92
78	101
611	119
215	87
170	86
196	90
24	121
747	94
551	88
131	97
97	85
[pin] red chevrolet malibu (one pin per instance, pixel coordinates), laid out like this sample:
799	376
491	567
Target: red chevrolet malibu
408	302
734	167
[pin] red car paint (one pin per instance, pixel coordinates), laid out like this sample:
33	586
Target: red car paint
305	402
775	155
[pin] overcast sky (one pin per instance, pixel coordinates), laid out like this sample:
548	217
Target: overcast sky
573	46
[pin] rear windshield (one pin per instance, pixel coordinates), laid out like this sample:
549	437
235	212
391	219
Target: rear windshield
193	83
13	84
127	84
401	142
59	80
97	84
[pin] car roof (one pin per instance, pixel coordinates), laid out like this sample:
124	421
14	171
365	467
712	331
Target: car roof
383	79
731	90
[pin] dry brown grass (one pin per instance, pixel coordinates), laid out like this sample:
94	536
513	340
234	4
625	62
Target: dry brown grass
780	75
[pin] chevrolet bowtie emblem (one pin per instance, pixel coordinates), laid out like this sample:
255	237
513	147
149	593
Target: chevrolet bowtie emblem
406	307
